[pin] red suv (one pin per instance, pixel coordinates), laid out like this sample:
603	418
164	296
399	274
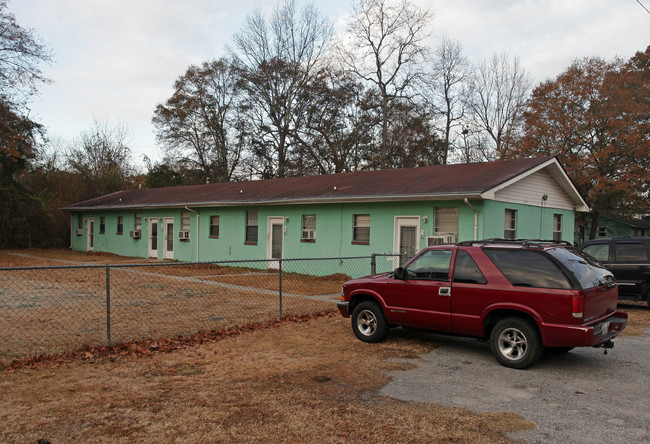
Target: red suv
522	296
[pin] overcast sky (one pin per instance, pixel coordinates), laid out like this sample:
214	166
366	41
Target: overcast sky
115	60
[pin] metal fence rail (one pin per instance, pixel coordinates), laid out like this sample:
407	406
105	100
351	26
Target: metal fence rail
45	310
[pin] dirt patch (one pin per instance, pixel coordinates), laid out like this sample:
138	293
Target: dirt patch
296	382
638	317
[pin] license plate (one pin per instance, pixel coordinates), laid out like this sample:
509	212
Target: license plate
604	328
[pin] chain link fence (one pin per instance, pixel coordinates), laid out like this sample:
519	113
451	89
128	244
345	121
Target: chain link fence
46	310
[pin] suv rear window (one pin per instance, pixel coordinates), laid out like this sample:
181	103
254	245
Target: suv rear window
583	268
528	268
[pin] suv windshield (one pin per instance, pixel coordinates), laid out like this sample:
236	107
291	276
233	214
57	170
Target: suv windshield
586	270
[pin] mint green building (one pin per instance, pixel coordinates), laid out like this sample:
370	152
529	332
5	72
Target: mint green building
339	215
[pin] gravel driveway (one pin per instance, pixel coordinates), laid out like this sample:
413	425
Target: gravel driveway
579	397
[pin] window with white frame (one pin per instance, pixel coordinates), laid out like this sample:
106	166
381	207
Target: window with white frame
251	227
557	227
214	227
510	226
446	222
361	232
137	221
185	221
308	228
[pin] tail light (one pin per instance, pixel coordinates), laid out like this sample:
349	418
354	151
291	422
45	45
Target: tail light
578	306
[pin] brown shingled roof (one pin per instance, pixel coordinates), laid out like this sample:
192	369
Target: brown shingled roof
434	182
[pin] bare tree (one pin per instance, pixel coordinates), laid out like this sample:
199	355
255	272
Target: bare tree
20	56
102	157
450	72
385	46
201	125
333	138
278	57
497	92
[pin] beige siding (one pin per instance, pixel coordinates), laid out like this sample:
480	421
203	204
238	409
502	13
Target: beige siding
530	189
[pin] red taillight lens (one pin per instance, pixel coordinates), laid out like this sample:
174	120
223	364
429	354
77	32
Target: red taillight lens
577	306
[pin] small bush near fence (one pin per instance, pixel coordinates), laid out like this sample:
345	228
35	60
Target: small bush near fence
45	310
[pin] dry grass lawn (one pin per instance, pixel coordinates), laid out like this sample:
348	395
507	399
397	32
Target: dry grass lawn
307	381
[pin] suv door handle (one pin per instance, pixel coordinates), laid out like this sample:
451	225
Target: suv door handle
444	291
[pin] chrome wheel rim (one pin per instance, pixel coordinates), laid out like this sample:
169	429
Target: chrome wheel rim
367	322
512	344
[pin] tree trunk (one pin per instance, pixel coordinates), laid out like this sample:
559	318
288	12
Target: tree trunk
594	225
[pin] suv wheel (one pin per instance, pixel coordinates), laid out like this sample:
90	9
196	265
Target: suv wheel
515	343
369	323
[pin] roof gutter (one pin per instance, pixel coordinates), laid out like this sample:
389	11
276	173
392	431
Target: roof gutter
325	200
198	219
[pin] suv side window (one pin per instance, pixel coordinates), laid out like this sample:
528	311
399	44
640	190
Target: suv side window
528	268
630	252
466	271
432	265
600	252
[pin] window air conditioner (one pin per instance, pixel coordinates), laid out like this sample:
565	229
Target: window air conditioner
441	239
80	231
135	234
184	235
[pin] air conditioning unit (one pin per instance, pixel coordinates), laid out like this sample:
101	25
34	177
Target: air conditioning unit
184	235
135	234
309	234
441	239
80	231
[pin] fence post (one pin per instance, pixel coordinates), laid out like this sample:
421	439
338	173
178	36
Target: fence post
280	285
108	305
373	263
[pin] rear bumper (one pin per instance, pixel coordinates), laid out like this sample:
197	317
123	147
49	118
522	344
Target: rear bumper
593	335
343	307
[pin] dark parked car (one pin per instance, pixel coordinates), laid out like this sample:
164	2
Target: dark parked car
521	296
629	259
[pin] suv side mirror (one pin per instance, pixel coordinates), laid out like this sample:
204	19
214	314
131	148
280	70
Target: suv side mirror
399	273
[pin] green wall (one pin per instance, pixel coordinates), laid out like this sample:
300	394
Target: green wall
334	228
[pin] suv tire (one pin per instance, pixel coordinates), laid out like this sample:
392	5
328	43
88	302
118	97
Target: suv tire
515	343
369	323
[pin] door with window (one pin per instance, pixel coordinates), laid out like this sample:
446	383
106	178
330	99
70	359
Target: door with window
168	241
153	238
423	298
405	238
90	235
274	242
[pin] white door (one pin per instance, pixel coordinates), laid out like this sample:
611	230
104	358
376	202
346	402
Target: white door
90	235
168	238
153	238
405	238
274	242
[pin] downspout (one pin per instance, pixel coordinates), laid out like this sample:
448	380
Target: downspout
198	219
475	218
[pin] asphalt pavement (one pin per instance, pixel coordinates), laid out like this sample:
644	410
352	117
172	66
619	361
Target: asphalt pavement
583	396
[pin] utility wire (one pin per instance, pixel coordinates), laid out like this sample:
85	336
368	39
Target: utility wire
646	9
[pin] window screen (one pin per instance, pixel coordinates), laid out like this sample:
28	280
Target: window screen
251	227
361	228
214	226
